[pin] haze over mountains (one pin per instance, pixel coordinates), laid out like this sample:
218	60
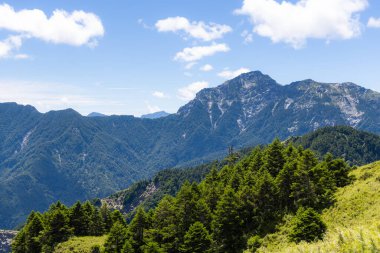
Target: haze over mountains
61	155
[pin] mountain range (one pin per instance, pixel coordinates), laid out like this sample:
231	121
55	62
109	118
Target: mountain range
61	155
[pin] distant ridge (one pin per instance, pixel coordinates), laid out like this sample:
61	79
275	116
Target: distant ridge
96	114
155	115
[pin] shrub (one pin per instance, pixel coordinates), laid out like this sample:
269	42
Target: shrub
307	226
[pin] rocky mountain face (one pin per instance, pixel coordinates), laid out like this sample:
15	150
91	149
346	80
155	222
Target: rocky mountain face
6	237
63	155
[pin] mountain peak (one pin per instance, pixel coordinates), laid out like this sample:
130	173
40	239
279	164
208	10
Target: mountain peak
96	114
155	115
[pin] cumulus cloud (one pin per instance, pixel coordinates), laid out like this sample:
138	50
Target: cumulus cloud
191	54
206	68
294	23
76	28
196	29
158	94
188	93
374	22
229	74
9	44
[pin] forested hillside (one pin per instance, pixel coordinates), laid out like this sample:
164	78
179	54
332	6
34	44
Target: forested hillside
230	210
355	146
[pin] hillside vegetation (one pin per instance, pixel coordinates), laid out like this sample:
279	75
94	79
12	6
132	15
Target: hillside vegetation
87	244
355	146
353	223
242	202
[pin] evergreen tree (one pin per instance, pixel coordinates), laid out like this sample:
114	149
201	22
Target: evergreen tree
211	189
274	159
227	223
77	219
284	181
116	216
307	226
340	170
33	231
88	214
265	202
97	223
137	227
165	228
106	217
197	239
18	243
57	229
116	238
127	247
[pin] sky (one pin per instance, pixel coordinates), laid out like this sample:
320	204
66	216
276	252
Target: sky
137	57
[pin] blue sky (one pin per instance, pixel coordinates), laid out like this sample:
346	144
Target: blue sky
136	57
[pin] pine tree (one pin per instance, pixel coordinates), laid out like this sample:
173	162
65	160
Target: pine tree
18	243
33	231
265	202
116	238
106	217
197	239
57	229
127	247
77	219
165	227
97	223
227	223
152	247
274	158
284	181
116	216
211	189
307	226
137	227
88	213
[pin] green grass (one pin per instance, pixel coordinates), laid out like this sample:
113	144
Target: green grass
353	222
80	244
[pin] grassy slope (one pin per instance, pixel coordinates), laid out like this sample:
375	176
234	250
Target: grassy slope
80	244
353	223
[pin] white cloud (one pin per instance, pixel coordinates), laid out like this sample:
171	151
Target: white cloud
229	74
141	22
159	94
191	54
374	22
21	56
190	65
294	23
247	36
152	108
51	96
76	28
8	45
188	93
196	30
207	68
